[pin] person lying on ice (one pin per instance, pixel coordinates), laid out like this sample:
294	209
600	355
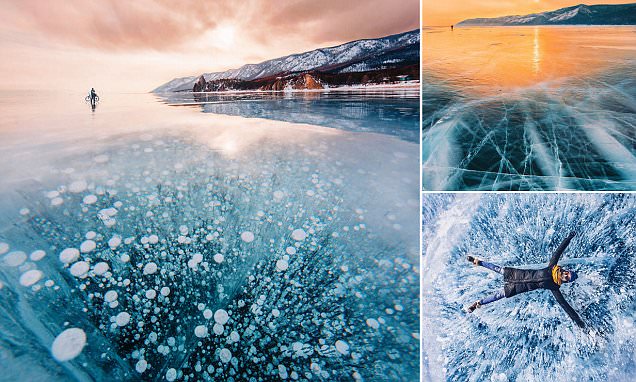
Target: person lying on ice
518	281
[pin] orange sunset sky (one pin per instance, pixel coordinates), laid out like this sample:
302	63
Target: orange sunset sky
448	12
135	46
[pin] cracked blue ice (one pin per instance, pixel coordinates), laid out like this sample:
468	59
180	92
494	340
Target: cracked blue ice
572	133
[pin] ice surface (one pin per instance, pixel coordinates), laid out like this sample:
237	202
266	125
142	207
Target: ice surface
207	180
578	136
529	109
528	337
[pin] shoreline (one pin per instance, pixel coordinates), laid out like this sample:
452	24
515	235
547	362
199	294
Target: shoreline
409	85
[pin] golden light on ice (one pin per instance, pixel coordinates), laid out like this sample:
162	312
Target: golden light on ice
536	53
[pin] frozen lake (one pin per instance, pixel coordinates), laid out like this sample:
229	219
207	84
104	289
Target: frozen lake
143	241
529	108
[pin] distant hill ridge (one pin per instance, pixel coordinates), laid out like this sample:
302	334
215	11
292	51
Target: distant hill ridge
610	14
365	55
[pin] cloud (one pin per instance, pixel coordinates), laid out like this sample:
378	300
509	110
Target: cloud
116	25
120	25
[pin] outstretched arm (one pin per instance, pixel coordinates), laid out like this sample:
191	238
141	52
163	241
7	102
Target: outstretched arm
568	309
557	254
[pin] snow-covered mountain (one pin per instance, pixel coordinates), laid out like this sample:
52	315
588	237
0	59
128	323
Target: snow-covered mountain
359	55
620	14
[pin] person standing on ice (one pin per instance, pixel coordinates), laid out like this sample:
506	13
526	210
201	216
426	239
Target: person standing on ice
93	95
518	281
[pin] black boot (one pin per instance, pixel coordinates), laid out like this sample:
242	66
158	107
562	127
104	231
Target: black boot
474	306
474	260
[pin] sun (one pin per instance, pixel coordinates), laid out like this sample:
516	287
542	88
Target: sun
224	35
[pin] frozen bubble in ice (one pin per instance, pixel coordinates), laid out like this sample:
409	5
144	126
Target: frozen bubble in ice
101	268
165	291
141	366
234	336
37	255
225	355
247	236
114	242
290	250
89	199
14	259
218	258
124	258
171	375
299	235
275	312
80	269
399	307
88	246
150	268
68	344
107	213
57	201
69	255
373	323
218	329
4	248
122	319
52	194
207	314
151	294
153	239
197	258
110	296
77	186
342	347
282	265
31	277
90	235
278	195
24	211
221	316
282	372
201	331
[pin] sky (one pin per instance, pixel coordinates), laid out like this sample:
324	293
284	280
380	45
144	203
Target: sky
135	46
448	12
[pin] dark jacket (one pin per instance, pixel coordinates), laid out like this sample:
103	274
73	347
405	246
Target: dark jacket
525	280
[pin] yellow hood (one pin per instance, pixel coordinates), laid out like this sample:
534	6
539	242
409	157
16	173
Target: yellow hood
555	275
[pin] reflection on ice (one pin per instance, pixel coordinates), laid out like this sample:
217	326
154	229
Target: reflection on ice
166	255
391	112
564	129
528	337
